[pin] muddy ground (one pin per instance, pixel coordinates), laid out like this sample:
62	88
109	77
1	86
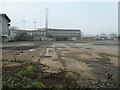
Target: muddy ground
93	63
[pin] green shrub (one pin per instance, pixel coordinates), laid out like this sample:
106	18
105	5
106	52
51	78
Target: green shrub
7	81
16	82
27	70
24	72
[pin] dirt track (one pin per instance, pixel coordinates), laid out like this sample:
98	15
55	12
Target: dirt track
94	60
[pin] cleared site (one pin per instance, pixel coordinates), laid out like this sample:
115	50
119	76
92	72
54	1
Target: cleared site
92	63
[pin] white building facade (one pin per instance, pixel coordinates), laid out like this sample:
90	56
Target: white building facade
4	27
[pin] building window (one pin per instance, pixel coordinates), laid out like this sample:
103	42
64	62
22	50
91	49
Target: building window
0	21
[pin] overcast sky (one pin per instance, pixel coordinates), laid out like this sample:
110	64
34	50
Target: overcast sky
90	17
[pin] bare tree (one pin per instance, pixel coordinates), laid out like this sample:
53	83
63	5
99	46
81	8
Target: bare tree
23	37
13	28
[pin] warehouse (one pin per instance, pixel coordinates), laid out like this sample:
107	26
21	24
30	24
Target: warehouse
55	34
4	27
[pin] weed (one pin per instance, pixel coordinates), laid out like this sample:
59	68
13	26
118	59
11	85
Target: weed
16	82
7	82
30	68
59	86
24	72
69	75
27	70
37	85
56	86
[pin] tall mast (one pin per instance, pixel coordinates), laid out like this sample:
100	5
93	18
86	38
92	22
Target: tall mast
46	25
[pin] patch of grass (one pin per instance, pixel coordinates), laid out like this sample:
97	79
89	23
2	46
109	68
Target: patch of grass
69	75
70	80
30	68
57	86
37	85
27	70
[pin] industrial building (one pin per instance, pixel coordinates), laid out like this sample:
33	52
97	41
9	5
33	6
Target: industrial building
50	34
64	34
4	27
